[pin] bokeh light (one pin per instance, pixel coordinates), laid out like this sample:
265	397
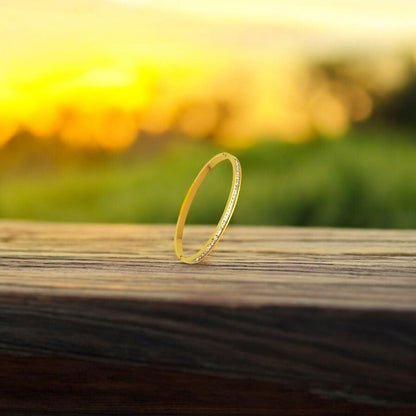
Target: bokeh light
109	107
97	73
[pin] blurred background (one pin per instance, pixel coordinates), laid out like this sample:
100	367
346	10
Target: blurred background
109	108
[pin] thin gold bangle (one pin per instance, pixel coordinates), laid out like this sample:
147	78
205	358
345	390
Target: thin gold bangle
226	215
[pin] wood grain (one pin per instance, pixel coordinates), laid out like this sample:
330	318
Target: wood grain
251	266
50	386
329	314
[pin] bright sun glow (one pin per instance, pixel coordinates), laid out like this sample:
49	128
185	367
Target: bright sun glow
96	72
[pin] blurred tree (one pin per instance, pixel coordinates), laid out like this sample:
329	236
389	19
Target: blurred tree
399	108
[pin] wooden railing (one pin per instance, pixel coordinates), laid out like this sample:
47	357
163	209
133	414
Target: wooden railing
103	320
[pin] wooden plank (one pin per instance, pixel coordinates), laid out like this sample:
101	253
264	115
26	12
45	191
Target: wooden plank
329	314
252	265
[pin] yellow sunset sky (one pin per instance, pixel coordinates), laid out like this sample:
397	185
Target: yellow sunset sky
95	72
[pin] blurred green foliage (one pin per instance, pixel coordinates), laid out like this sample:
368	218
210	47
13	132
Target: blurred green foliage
367	179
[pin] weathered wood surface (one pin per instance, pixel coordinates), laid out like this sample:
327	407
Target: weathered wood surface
251	265
327	316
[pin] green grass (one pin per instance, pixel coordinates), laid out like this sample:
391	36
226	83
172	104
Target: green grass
364	180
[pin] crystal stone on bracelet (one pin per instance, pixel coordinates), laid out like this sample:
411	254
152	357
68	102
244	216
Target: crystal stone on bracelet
226	216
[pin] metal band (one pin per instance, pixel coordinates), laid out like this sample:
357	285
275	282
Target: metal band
226	215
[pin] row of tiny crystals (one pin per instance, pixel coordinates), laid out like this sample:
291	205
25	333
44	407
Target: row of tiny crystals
227	215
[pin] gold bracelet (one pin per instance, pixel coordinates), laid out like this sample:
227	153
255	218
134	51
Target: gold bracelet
226	215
